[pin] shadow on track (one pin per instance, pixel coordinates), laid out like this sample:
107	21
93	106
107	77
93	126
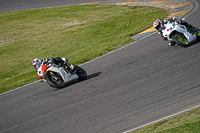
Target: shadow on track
93	75
76	82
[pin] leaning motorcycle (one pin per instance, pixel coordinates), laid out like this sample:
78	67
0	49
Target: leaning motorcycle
180	34
58	76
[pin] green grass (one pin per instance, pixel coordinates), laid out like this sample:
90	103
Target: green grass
188	122
80	33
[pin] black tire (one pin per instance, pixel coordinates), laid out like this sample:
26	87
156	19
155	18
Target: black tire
55	80
198	34
196	31
82	75
180	39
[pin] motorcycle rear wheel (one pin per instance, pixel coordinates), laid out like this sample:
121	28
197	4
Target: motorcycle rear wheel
55	80
180	39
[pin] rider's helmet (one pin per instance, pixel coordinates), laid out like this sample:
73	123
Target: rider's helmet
157	24
36	63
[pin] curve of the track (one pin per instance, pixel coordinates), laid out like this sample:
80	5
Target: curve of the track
140	83
15	5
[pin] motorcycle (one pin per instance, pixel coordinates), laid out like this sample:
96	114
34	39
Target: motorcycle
181	34
58	76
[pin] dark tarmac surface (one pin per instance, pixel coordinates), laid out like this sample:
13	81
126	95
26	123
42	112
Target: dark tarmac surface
16	5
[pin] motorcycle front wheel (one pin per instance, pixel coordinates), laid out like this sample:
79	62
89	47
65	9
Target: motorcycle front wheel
55	80
180	39
82	75
198	34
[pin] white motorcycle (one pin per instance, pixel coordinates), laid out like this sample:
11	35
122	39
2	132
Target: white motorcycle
58	76
180	34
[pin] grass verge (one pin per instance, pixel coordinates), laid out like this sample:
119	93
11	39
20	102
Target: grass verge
188	122
80	33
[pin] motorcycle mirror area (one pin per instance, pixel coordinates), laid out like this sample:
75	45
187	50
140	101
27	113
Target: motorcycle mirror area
183	19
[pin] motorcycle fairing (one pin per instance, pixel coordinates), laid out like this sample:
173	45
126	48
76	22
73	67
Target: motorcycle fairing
182	29
66	76
42	70
171	27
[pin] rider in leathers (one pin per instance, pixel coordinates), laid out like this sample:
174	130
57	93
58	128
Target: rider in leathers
48	61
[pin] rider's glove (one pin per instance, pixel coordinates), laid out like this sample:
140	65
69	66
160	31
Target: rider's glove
44	61
174	18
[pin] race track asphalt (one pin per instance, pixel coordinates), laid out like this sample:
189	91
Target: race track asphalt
16	5
143	82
